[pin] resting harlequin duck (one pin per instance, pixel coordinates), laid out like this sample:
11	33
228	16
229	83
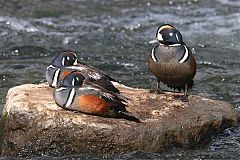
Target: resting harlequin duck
171	61
79	95
66	62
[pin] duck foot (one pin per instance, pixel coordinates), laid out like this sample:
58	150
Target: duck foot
185	98
156	91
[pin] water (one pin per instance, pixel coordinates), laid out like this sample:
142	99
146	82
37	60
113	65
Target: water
113	36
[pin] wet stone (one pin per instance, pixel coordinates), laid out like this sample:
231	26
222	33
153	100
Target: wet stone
34	125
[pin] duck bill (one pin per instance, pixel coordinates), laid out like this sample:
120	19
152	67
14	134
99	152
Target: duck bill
153	41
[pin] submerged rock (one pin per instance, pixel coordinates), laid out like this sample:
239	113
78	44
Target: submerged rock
35	125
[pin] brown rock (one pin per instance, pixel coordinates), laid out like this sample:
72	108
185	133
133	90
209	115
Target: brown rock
35	125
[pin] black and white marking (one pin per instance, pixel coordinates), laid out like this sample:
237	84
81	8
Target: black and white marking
70	97
63	61
154	58
185	56
56	77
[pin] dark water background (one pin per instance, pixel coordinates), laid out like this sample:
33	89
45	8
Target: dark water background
113	35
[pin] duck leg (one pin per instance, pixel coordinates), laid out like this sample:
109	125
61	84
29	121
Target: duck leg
185	97
157	90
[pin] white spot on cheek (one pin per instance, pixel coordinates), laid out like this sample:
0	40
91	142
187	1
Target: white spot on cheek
171	34
68	58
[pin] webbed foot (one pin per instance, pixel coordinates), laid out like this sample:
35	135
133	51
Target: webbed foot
156	91
185	98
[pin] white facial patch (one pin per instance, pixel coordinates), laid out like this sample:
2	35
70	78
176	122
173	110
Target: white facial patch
55	78
171	34
186	54
159	37
71	97
68	58
75	62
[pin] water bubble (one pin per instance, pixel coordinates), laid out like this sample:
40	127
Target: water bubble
128	64
112	28
201	45
31	29
8	22
148	3
66	40
170	3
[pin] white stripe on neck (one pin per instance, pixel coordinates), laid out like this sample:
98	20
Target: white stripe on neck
55	78
185	57
70	98
153	55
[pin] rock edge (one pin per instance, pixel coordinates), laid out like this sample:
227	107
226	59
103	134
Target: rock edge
35	125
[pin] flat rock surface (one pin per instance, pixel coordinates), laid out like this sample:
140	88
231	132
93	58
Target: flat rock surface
35	125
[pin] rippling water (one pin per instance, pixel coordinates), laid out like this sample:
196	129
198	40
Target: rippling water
113	36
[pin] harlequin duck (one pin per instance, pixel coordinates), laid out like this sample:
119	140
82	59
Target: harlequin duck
66	62
171	61
86	97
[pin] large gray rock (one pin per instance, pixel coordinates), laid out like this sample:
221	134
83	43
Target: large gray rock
35	125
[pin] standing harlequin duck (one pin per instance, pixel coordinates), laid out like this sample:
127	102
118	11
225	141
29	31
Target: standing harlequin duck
86	97
171	61
66	62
